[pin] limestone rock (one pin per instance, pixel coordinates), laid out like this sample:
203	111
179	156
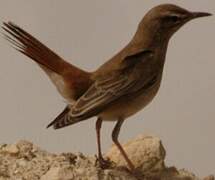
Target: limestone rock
25	161
146	152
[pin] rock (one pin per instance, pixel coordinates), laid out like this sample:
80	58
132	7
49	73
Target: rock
146	152
58	173
11	149
25	161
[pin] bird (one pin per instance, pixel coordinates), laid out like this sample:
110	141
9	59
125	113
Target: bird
119	88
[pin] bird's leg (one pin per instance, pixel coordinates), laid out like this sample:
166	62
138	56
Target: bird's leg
115	135
103	163
98	128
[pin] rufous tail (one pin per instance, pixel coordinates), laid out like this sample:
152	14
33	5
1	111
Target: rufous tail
33	48
70	81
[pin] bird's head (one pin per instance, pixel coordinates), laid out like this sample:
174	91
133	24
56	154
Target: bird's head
166	19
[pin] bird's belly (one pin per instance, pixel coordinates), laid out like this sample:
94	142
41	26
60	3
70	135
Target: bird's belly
128	105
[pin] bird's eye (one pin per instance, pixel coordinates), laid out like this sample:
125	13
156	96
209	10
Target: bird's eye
173	19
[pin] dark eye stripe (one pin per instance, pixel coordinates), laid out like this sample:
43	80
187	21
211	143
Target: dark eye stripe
173	18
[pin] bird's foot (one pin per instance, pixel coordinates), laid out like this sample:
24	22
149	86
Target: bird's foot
104	163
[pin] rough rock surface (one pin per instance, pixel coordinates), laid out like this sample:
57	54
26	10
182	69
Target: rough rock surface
25	161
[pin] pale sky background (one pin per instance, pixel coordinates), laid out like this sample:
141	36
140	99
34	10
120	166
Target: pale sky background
87	33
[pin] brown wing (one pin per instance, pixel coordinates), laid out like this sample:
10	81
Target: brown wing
60	117
100	94
112	86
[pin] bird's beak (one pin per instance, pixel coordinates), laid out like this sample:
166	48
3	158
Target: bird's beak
195	15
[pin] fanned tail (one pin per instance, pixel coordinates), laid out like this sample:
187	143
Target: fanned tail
33	48
70	81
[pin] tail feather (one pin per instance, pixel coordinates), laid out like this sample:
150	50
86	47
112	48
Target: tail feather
63	120
31	47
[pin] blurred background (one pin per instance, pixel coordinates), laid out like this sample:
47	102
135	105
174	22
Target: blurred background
87	33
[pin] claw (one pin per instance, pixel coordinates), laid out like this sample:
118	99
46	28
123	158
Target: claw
103	163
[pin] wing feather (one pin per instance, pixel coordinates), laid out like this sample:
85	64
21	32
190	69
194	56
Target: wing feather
112	86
